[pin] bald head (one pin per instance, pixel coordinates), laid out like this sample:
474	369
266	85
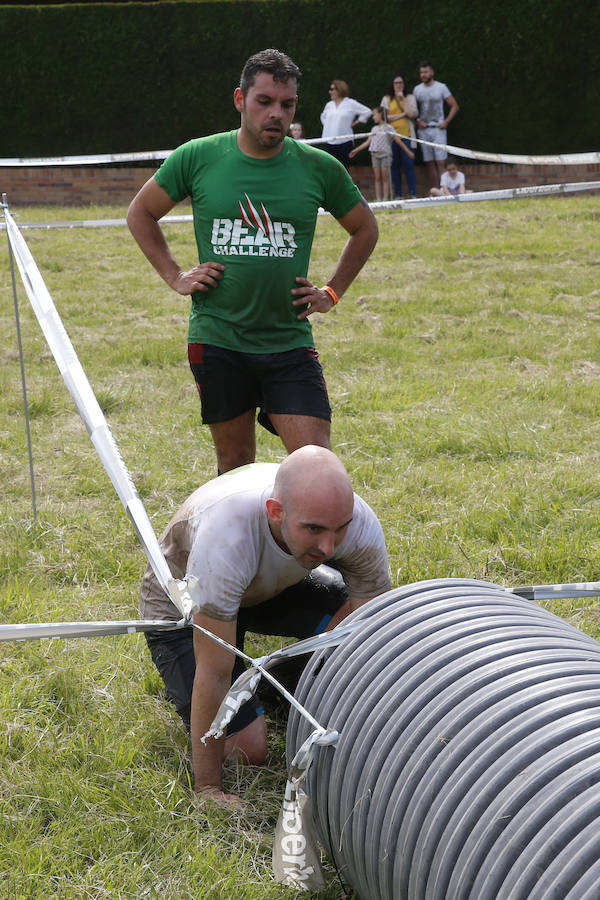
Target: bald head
312	470
312	505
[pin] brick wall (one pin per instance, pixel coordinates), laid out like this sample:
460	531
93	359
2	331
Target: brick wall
492	176
101	185
72	185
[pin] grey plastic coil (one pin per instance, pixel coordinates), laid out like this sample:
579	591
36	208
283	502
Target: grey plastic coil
468	763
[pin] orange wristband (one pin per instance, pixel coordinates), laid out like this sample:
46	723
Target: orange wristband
329	290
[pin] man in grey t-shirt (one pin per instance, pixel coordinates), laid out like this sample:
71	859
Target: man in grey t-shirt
431	122
251	538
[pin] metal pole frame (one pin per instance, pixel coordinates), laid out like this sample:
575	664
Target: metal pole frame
22	365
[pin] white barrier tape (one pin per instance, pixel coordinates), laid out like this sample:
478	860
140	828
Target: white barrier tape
34	632
560	159
245	686
89	409
92	223
557	591
89	160
532	190
296	858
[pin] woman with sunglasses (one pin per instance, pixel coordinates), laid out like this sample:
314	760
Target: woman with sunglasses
401	111
339	117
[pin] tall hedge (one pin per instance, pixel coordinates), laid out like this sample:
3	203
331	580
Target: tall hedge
146	76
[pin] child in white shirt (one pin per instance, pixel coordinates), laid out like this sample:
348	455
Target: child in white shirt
452	181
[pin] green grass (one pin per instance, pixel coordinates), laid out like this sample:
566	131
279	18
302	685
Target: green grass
464	372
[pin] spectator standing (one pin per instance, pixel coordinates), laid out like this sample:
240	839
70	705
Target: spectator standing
255	198
380	143
297	130
339	117
431	123
401	113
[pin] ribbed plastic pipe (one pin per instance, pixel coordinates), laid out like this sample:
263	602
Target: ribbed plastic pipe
468	764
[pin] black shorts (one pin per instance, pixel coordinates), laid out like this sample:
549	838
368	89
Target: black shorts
300	611
231	383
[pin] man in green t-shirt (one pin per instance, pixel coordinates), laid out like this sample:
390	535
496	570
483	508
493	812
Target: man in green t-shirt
255	196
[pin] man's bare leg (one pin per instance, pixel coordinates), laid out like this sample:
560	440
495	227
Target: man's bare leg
298	431
249	744
433	173
235	441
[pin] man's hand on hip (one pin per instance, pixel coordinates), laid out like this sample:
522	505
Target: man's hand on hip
317	300
201	278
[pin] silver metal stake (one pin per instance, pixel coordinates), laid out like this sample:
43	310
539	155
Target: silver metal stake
22	362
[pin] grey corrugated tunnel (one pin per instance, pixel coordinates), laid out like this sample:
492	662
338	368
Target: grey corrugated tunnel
468	764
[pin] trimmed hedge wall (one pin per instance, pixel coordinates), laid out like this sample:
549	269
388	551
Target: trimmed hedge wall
146	76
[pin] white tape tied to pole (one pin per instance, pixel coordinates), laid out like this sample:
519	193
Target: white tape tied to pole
296	857
245	686
89	409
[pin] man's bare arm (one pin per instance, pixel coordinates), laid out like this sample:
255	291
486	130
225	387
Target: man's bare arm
214	665
349	606
149	205
361	225
451	112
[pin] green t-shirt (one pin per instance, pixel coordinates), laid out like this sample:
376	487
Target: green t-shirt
257	217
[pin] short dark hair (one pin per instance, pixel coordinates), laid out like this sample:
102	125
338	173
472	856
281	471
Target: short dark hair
425	64
276	63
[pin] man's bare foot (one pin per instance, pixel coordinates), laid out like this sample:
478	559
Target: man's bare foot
216	795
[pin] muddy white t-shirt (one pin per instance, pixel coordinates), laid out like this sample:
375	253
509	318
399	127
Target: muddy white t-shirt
221	535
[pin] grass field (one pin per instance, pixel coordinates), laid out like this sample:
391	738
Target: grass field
464	372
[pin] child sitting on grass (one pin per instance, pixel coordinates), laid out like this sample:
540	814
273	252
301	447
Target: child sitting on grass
452	181
379	143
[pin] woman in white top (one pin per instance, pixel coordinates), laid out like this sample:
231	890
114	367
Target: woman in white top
339	117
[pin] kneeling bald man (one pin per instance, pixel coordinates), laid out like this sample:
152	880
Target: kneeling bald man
251	537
